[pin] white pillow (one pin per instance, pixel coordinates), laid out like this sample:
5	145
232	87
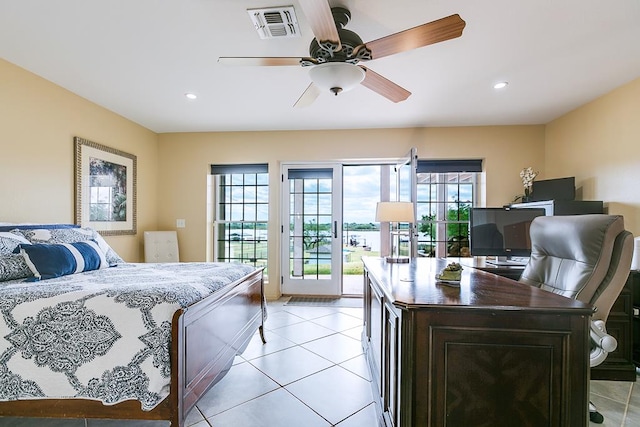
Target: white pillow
9	241
12	266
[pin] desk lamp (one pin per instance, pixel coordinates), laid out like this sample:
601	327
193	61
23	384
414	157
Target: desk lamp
396	212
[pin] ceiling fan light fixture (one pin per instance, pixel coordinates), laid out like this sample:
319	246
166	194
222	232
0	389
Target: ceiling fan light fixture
336	76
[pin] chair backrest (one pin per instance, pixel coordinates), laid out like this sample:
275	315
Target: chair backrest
585	257
616	277
161	246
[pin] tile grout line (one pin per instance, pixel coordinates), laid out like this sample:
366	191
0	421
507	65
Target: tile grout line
626	406
333	364
316	412
238	404
305	404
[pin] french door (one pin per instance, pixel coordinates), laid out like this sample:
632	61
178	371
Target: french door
311	229
406	191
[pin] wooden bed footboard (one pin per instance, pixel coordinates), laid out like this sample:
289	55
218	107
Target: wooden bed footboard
206	337
213	333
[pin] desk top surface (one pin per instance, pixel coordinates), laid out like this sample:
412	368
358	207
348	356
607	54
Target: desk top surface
413	285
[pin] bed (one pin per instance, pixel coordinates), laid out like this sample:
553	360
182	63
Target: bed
118	341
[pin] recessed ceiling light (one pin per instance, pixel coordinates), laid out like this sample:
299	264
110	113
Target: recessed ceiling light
190	95
500	85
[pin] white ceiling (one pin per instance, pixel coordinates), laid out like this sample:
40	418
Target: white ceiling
138	58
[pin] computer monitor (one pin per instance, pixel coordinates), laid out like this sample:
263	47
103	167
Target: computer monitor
502	233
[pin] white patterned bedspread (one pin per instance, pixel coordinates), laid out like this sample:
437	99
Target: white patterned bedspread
103	334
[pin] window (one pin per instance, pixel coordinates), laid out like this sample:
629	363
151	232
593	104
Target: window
444	199
242	213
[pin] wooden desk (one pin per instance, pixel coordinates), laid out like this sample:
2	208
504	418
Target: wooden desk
490	352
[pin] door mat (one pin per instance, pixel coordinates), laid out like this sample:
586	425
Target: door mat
325	302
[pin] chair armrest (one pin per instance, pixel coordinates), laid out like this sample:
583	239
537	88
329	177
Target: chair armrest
601	343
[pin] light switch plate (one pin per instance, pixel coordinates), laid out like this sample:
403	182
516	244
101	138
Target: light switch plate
181	223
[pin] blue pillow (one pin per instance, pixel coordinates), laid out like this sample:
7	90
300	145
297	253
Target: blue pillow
47	261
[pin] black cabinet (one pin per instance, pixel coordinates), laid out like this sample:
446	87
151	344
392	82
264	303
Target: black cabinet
635	287
565	207
623	326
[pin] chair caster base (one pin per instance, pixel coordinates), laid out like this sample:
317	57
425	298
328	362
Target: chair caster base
596	417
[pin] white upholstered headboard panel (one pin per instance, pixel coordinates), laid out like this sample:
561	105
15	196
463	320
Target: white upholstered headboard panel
161	246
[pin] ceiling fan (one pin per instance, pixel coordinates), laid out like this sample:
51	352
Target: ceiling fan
335	52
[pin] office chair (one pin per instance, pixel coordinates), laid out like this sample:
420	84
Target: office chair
585	257
161	246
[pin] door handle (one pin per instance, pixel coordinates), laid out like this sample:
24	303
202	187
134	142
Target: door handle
335	229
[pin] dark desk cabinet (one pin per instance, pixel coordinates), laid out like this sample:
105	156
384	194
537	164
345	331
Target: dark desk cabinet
474	354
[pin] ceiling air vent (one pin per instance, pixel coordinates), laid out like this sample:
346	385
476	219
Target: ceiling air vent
275	22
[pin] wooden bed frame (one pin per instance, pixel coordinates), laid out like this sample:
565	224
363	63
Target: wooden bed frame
206	337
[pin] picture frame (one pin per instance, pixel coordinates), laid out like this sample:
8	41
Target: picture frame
106	184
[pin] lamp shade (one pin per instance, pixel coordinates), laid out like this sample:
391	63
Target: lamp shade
336	76
395	212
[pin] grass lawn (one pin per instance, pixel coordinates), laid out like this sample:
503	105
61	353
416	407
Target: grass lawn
353	264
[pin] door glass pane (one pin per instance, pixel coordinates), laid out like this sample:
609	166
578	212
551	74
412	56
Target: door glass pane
310	203
310	220
405	184
310	186
324	204
325	186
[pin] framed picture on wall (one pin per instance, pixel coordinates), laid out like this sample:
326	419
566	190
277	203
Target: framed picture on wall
105	188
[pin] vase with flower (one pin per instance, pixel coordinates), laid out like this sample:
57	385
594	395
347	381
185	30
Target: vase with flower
528	175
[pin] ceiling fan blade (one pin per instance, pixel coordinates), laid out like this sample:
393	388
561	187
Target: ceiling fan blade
320	18
384	86
262	61
308	96
413	38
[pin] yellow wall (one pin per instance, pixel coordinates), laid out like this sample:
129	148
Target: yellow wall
184	161
38	121
599	144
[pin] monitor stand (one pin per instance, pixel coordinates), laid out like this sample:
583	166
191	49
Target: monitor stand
504	261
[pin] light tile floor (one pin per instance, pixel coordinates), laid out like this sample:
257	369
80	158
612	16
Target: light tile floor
312	373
